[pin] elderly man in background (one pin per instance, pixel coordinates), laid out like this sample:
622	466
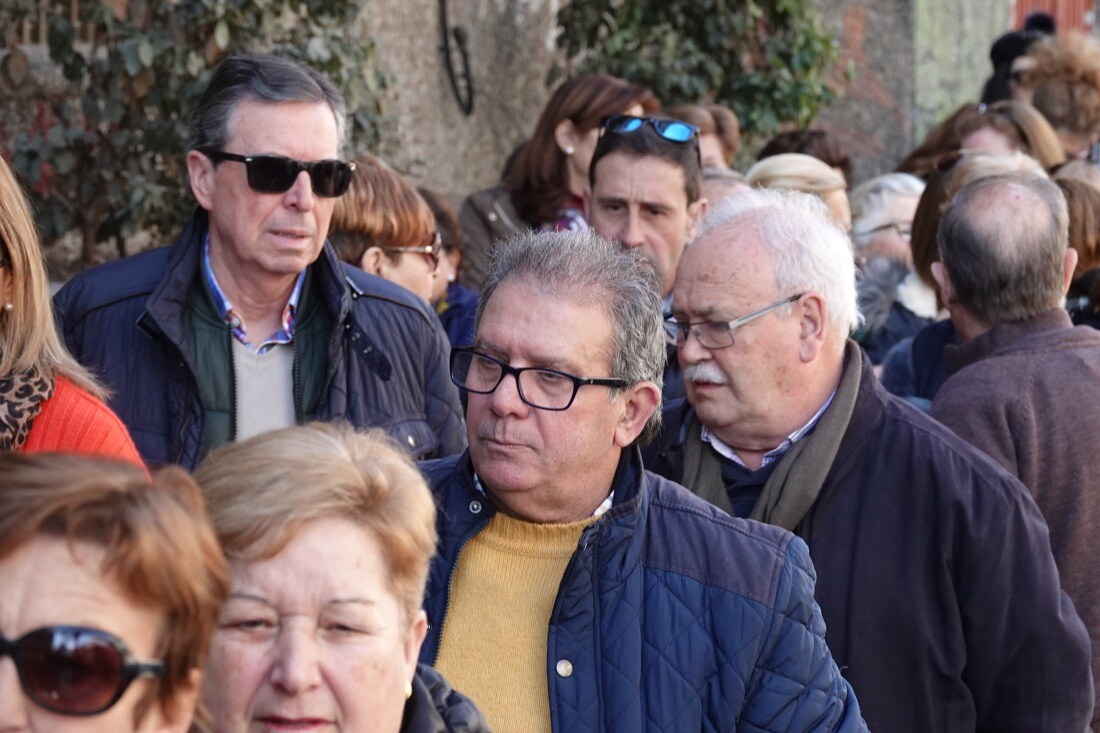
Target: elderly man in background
1022	385
249	322
574	591
936	575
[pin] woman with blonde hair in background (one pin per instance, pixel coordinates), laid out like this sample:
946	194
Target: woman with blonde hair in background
799	172
329	534
48	401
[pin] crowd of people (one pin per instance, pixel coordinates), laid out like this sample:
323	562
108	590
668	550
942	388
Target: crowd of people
629	441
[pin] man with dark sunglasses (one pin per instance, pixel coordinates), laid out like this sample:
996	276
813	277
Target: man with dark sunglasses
574	591
936	578
249	322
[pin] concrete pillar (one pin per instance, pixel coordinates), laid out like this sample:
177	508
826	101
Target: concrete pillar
915	61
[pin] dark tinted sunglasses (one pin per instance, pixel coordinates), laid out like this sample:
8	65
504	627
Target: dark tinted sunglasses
675	131
73	670
276	174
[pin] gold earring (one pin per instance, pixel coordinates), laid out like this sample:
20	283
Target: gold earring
408	689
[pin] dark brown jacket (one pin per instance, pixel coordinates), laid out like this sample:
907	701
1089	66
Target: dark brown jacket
1028	394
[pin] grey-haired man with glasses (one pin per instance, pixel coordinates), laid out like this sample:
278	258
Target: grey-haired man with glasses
249	322
936	578
573	590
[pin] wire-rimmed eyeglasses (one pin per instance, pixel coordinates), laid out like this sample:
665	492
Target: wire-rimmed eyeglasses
719	334
904	229
539	387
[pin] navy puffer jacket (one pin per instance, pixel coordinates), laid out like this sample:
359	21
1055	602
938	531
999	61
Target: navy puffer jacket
674	615
387	356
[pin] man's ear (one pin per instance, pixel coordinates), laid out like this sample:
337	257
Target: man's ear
639	403
943	281
695	215
200	173
813	320
1069	267
372	261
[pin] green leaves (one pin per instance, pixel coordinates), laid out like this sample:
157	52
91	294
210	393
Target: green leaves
113	163
767	59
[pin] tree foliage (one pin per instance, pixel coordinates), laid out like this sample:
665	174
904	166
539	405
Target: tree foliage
111	163
769	60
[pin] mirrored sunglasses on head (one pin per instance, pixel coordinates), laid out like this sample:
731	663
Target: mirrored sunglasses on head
75	670
676	131
277	173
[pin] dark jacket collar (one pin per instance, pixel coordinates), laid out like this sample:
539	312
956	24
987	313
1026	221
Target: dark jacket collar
1003	336
166	305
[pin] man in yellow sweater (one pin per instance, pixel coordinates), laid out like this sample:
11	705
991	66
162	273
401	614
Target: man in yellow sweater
573	591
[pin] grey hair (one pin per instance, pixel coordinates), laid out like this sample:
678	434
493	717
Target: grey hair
870	198
808	252
583	267
260	78
1005	262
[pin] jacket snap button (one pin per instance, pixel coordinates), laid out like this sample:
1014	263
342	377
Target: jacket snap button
565	668
475	506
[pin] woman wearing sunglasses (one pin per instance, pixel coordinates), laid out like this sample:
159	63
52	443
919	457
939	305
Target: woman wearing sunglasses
384	227
545	181
111	587
329	534
48	402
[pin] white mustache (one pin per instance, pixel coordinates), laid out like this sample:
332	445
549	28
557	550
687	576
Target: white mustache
708	371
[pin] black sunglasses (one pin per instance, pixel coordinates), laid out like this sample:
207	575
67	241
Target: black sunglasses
73	670
276	174
675	131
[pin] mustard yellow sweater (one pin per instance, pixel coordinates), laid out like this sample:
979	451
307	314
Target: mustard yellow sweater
493	646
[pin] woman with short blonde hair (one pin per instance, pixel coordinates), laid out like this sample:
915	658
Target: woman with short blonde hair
329	535
798	172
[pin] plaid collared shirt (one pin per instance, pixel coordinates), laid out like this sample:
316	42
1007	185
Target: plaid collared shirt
236	326
775	453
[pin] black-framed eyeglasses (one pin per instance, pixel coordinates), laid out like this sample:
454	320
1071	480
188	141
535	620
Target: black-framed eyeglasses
675	131
545	389
719	334
432	250
903	229
276	173
75	670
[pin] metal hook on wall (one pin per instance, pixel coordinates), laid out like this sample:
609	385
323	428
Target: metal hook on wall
461	83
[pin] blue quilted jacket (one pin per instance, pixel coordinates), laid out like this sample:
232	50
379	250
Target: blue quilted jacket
674	616
387	356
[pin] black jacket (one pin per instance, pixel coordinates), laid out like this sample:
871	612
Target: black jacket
436	707
936	580
387	356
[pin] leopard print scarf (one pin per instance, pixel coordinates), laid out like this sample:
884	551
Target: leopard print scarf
21	398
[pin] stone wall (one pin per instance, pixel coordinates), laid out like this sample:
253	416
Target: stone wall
511	50
915	62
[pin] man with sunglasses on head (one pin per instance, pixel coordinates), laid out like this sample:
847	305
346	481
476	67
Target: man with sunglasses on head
645	181
249	322
572	590
935	573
